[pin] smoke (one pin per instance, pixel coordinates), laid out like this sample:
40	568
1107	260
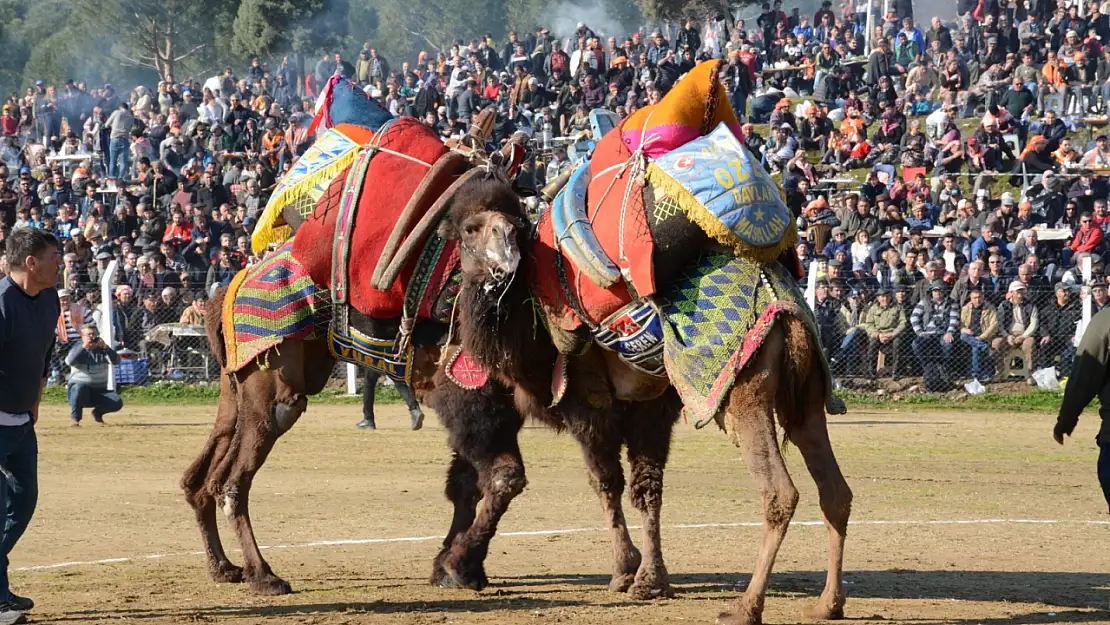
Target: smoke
563	18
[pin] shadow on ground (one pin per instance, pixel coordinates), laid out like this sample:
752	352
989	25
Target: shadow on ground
1084	595
1064	589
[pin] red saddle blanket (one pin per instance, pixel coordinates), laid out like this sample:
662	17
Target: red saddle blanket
389	183
619	221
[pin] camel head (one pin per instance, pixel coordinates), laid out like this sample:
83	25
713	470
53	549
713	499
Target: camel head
487	219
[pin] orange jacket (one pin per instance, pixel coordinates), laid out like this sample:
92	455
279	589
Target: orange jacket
1052	75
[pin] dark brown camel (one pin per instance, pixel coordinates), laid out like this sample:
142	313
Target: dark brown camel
258	405
787	377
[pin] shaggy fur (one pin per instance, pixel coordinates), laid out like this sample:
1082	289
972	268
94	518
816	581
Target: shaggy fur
499	328
498	325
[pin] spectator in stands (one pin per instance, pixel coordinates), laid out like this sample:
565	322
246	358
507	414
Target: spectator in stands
1087	239
87	386
978	325
1017	326
1058	328
1099	297
852	313
827	312
922	288
885	325
935	320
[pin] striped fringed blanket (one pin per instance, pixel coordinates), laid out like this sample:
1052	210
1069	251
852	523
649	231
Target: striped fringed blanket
717	314
333	152
271	302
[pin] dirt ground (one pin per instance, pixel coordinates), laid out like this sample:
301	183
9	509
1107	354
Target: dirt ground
942	535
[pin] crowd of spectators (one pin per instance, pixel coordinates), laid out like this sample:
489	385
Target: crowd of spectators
918	262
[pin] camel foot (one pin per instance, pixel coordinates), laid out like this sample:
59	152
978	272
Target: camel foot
743	614
624	573
270	585
739	618
622	582
460	572
439	575
652	584
455	578
226	573
825	611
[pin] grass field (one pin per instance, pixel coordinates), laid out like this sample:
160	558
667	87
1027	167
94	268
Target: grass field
937	497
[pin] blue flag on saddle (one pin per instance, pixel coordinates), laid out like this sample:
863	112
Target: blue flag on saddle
721	187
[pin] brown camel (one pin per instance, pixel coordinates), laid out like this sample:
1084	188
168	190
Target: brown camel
788	377
258	404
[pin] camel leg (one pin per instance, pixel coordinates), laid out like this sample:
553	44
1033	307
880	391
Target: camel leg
648	429
601	444
750	421
483	426
811	436
462	491
258	437
202	500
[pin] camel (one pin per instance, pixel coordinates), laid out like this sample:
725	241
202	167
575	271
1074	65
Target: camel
787	378
261	402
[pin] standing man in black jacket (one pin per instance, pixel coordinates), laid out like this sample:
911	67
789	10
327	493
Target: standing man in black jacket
29	311
1088	380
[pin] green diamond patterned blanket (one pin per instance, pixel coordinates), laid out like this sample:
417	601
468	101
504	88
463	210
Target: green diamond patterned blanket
717	314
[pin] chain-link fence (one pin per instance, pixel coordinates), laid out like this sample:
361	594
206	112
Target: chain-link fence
994	331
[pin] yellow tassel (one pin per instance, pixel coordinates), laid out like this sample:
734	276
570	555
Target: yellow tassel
270	229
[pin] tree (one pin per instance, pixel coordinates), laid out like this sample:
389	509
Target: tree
362	20
407	26
676	10
264	27
154	34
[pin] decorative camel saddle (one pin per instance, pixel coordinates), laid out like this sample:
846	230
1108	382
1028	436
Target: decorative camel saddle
364	256
671	246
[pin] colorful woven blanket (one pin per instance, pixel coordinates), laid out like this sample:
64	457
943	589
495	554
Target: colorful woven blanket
389	182
271	302
697	104
310	176
349	119
716	317
721	187
616	203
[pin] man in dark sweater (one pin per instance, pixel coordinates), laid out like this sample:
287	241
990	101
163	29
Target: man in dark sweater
29	312
1088	380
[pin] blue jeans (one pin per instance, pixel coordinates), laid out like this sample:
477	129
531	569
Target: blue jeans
848	345
102	402
1104	470
19	489
977	349
119	155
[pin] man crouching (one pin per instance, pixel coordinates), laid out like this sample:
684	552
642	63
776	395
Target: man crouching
88	363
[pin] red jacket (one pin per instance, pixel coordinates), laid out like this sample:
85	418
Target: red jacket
184	232
1086	241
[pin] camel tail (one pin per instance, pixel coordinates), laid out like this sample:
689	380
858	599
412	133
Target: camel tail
801	349
213	325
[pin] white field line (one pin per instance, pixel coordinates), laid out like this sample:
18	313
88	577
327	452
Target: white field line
559	532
